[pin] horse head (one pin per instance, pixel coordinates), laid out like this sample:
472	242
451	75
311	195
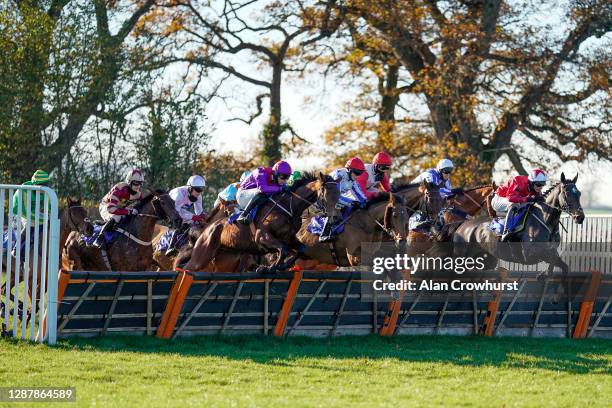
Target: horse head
76	217
162	207
431	202
568	198
396	220
328	194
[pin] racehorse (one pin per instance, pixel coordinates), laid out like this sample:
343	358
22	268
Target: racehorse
73	218
274	227
458	208
161	262
536	242
384	218
132	249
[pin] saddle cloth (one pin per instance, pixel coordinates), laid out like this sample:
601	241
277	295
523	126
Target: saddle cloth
164	242
318	221
232	218
109	236
515	223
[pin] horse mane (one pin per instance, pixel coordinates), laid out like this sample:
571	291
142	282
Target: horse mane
307	177
547	192
384	198
477	187
378	199
147	199
395	188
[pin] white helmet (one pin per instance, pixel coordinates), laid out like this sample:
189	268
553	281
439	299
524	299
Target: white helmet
445	164
134	175
196	181
538	175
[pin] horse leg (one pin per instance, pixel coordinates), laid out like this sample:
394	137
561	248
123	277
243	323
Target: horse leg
3	306
563	289
271	244
205	249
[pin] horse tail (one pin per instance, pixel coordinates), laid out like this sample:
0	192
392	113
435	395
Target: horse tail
205	247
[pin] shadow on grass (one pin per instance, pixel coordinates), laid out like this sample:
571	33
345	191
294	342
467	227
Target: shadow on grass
573	356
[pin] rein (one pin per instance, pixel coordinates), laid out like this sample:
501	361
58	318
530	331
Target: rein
71	220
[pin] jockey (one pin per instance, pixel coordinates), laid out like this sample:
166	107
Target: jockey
440	176
229	192
375	174
516	192
351	193
39	178
262	182
188	204
116	203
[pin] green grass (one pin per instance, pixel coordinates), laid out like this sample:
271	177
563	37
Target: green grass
357	371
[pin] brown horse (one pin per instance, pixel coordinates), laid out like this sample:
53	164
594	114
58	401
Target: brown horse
385	218
459	207
132	250
72	218
161	262
274	227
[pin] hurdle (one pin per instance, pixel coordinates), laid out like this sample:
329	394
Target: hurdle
324	303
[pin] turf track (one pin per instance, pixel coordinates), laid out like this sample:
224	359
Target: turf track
360	371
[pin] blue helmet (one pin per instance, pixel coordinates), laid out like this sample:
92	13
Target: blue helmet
244	175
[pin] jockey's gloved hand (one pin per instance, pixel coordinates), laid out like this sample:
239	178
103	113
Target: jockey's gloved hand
457	190
197	218
133	211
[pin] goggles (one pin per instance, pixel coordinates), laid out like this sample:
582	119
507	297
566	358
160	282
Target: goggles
383	167
447	170
198	189
283	176
539	183
136	183
356	172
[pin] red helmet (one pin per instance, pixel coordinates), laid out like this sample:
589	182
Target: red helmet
538	175
355	163
382	158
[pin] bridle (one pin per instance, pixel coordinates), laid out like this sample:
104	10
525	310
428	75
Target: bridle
73	225
319	203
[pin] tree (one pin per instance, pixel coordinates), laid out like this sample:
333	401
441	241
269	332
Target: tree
167	146
218	36
490	81
53	90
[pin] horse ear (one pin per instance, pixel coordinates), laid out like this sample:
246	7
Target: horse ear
321	176
575	178
69	201
562	177
79	200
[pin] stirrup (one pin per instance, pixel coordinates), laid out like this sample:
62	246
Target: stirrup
98	243
326	238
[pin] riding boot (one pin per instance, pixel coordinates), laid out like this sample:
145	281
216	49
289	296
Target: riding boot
327	234
507	231
244	217
99	242
176	234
